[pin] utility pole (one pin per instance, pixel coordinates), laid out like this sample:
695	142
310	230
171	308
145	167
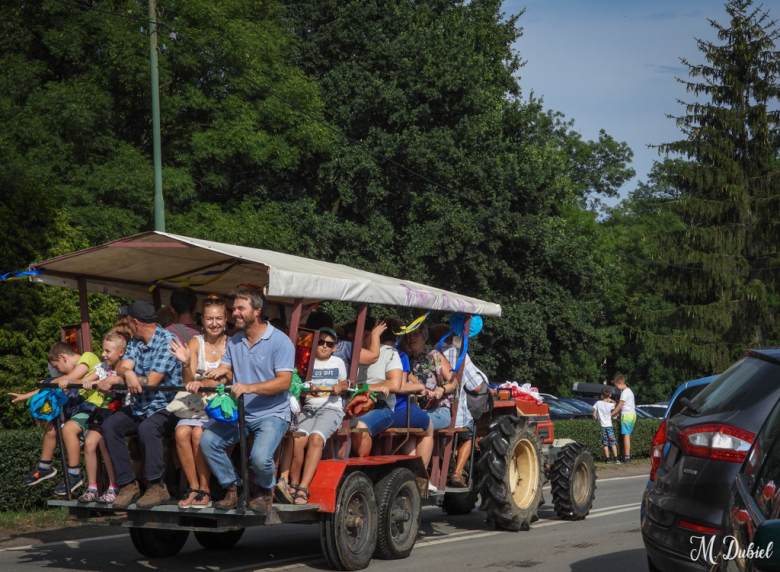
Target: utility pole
159	205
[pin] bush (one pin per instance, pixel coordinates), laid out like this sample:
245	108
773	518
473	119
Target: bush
589	433
20	451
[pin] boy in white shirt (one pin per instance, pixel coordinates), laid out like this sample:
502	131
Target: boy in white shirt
320	417
626	408
602	411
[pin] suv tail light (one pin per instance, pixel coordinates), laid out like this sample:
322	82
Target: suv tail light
657	449
716	441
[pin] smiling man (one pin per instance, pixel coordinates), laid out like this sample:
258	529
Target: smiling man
260	360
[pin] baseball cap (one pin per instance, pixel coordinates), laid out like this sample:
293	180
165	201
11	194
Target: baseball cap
142	311
331	332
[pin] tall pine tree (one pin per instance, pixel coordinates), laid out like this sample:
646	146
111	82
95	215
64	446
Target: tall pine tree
728	203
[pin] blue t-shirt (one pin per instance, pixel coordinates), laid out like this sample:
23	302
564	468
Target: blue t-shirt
272	353
401	399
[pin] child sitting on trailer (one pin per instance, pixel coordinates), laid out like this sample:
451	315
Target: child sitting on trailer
320	418
70	365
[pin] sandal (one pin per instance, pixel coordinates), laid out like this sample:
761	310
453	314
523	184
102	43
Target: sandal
184	500
198	502
284	493
302	495
458	482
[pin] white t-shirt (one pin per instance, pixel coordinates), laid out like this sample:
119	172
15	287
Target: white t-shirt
627	397
604	412
327	374
377	371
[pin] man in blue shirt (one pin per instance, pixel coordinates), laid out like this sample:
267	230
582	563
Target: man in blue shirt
260	360
147	362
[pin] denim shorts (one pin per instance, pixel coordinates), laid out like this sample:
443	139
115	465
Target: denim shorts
417	417
440	416
377	420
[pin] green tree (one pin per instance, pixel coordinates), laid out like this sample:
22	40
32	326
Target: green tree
724	188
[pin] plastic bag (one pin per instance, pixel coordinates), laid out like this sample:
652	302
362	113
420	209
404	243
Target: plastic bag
223	408
524	392
361	402
47	404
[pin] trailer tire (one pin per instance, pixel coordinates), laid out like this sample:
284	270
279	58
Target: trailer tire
512	476
400	510
348	536
219	540
158	543
462	503
573	482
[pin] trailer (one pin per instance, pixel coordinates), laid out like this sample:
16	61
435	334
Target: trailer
366	506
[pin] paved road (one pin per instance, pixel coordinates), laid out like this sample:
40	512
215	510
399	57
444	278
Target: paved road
608	540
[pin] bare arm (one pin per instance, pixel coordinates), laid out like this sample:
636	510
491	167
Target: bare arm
411	386
78	372
280	383
616	411
370	355
448	375
17	397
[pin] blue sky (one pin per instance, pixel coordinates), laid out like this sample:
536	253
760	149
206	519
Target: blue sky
611	64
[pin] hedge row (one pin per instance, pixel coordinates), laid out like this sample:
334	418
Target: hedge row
589	433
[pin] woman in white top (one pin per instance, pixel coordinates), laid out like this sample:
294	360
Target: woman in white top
209	348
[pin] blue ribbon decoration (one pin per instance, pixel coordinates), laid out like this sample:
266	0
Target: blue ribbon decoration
19	275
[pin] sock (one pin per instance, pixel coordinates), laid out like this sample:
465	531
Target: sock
92	486
112	487
74	471
44	465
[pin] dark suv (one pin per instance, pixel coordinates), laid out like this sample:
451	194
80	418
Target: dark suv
707	441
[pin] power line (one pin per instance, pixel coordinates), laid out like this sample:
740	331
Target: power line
176	35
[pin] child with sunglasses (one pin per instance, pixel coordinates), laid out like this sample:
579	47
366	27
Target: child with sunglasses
320	418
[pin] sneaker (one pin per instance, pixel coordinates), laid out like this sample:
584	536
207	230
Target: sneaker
617	462
39	475
627	460
90	495
75	482
109	496
231	499
609	461
262	501
154	495
128	494
431	487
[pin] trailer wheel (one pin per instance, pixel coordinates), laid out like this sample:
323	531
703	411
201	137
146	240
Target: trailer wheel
462	503
348	536
158	543
512	477
219	540
398	500
573	482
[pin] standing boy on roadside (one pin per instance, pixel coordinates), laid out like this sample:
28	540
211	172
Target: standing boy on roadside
601	411
627	408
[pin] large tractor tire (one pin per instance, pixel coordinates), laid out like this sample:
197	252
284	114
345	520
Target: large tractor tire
219	540
573	482
400	510
348	536
512	477
158	543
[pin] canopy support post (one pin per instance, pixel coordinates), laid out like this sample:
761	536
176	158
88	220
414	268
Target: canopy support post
357	343
86	334
156	299
295	320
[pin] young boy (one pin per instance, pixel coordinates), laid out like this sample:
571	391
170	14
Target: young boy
71	366
601	411
627	408
320	418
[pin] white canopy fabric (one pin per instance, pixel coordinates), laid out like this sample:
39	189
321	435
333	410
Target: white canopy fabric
126	267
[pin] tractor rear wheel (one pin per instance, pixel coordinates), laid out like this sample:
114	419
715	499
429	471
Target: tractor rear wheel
398	500
348	536
512	477
158	543
573	482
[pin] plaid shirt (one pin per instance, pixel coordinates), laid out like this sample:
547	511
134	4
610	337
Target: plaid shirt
154	358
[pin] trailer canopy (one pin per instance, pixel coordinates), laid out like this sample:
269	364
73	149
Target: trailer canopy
129	266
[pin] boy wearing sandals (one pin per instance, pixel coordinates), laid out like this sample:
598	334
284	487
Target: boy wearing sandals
320	418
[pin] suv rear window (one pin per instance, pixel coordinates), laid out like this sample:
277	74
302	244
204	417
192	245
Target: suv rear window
741	386
690	393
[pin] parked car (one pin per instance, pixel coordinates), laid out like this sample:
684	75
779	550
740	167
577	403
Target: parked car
753	516
641	414
563	411
701	444
655	410
573	401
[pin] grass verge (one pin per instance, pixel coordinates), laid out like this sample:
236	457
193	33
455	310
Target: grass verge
22	521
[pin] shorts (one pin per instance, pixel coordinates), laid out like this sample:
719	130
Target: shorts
627	421
417	417
467	435
608	436
324	421
82	420
192	422
377	420
440	416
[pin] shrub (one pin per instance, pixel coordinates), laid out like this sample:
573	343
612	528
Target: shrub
589	433
20	451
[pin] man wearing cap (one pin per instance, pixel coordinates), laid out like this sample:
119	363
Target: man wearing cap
147	363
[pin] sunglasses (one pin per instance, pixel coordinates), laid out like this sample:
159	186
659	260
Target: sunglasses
331	345
210	301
